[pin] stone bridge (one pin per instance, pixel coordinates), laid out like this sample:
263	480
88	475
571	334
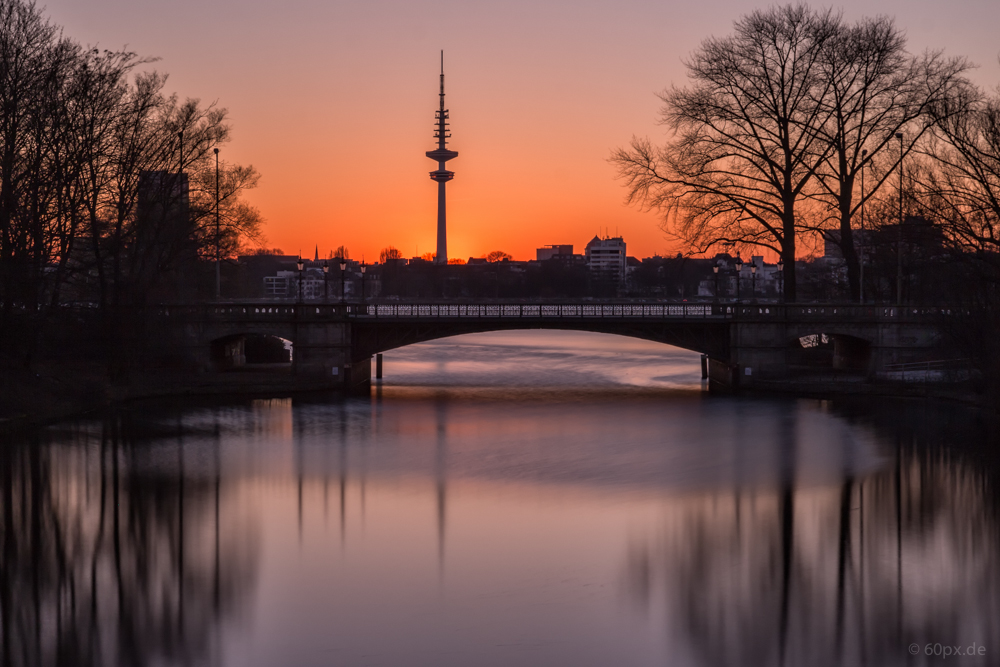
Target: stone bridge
745	344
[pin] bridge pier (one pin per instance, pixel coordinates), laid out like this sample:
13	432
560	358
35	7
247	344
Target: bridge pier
766	345
321	349
721	376
358	376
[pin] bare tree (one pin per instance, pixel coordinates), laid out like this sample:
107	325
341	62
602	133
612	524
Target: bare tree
240	223
964	190
498	256
389	253
81	146
965	186
33	59
746	136
874	91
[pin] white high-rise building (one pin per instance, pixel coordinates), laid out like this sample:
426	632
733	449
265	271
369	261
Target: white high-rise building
607	256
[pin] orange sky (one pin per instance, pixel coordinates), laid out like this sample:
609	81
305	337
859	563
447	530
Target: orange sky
334	104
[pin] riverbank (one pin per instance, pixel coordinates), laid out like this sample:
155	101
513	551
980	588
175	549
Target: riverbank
832	386
52	392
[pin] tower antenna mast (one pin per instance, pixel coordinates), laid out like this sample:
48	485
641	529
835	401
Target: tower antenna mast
441	155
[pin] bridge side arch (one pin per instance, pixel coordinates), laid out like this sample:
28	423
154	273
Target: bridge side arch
836	351
221	345
251	350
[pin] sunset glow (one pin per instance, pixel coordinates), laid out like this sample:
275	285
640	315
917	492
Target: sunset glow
334	104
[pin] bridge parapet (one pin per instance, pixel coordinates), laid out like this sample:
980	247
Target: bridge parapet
833	312
277	312
284	311
541	310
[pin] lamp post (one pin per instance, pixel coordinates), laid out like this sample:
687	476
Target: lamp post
326	285
861	294
715	271
753	282
299	264
739	270
899	241
363	267
218	238
781	280
343	269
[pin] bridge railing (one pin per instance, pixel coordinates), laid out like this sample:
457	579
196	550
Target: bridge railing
514	311
402	310
799	312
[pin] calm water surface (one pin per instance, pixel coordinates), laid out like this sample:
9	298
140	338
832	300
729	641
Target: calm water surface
529	498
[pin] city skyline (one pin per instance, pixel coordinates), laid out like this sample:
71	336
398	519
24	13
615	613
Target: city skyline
331	106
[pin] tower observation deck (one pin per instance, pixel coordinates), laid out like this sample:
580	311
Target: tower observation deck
441	154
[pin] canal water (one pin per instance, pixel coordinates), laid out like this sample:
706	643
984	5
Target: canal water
524	498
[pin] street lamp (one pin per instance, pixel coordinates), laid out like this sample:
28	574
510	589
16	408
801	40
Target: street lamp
753	282
343	268
739	270
363	267
218	238
715	270
326	286
861	294
781	280
299	264
899	241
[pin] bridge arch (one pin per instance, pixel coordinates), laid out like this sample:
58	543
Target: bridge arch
250	349
708	338
535	358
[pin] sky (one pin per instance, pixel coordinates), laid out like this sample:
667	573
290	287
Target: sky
333	103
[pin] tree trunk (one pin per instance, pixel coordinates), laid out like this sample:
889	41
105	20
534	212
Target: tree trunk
788	255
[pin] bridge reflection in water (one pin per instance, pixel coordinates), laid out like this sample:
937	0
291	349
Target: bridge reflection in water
434	526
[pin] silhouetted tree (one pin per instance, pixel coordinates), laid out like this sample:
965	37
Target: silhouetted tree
963	187
498	256
91	200
389	253
746	136
873	90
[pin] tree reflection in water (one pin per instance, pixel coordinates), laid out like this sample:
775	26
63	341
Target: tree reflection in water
847	575
788	535
114	552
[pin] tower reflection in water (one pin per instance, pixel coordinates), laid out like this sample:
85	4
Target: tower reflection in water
477	527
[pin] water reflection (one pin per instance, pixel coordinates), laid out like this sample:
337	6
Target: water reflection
106	561
502	525
848	575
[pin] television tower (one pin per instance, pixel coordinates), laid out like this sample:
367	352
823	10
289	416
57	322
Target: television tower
442	175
